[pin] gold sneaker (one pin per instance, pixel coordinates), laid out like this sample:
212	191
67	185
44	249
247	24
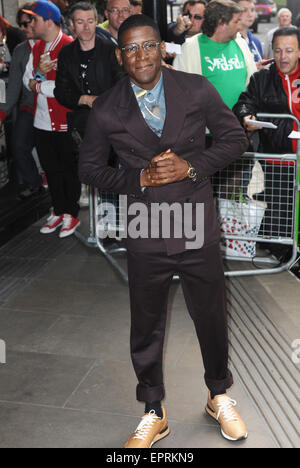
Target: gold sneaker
150	430
221	408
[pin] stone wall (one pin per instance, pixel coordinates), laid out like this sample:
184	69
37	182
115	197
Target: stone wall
10	8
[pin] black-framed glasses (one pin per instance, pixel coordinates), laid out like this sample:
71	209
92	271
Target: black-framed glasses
25	23
196	17
132	49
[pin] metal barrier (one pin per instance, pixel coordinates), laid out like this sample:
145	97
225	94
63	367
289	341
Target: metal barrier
270	216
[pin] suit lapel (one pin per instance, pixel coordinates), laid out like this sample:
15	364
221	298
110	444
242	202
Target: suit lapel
176	106
129	112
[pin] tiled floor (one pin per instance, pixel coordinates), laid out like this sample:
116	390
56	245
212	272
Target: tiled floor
68	380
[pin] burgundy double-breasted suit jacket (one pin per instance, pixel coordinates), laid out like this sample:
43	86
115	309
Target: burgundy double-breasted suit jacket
192	106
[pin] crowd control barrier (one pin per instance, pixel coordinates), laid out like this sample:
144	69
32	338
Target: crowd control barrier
257	200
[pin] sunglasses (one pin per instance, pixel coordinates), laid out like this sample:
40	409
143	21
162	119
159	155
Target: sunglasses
196	17
25	23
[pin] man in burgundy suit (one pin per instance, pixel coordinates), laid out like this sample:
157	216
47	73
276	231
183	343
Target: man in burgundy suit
156	121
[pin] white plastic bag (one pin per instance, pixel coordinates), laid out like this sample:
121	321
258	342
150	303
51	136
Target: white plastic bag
241	219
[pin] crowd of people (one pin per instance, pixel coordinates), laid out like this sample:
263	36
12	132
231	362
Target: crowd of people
146	137
61	59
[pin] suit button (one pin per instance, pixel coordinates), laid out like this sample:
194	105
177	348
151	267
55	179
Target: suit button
192	140
132	150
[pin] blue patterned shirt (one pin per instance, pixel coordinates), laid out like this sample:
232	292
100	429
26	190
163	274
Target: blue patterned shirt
152	105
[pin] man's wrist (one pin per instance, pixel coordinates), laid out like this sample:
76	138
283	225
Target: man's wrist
191	172
178	30
82	100
143	179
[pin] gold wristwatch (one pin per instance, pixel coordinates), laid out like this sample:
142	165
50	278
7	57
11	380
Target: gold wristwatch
192	174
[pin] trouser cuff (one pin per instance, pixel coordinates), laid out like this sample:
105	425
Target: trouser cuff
150	394
218	387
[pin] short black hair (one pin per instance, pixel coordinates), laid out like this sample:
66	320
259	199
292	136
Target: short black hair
136	2
286	32
138	21
84	6
20	13
193	3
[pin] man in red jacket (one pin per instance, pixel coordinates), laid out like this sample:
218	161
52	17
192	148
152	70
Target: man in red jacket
54	143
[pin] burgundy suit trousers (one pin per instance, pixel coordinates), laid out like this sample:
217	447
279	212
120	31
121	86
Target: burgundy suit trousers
203	283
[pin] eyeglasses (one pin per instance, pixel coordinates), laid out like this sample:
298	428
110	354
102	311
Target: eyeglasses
196	17
116	11
25	23
132	49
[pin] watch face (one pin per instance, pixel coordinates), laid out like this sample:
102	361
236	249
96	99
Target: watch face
192	173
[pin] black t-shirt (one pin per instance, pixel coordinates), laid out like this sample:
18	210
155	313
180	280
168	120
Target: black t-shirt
86	57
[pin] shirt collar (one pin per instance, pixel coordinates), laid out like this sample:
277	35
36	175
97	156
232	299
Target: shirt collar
155	92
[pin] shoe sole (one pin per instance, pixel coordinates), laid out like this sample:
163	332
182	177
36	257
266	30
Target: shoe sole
64	234
212	415
164	433
50	231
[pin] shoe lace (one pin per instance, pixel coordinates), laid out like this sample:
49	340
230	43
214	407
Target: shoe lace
226	407
67	221
145	425
52	218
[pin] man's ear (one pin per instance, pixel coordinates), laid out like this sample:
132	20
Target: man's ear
163	49
119	56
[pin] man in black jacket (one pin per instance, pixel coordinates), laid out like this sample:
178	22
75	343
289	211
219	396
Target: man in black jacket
86	68
276	90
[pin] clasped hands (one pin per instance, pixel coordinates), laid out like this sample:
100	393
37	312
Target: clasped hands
164	169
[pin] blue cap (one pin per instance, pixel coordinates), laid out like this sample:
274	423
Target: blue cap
46	10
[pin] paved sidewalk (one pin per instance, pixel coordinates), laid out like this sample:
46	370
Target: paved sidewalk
68	380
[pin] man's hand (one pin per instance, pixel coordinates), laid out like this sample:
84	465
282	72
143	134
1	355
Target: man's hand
32	85
183	24
46	66
248	125
164	169
86	100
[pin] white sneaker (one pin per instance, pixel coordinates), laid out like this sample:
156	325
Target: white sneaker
53	222
84	198
70	225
